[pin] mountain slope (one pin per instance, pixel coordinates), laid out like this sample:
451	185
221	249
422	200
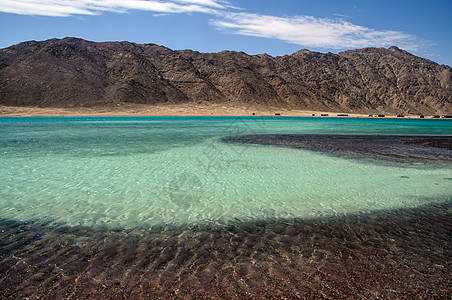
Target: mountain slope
73	72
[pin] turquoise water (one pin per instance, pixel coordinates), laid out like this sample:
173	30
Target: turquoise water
146	172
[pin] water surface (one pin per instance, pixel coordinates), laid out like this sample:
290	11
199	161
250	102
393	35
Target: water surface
147	172
156	204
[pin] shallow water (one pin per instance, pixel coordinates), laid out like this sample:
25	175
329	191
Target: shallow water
153	172
116	199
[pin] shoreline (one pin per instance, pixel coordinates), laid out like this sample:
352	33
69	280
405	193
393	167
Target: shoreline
189	109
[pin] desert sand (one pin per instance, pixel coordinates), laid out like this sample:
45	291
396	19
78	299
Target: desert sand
188	109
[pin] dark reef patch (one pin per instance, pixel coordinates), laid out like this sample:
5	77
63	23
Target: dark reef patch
434	141
401	149
393	254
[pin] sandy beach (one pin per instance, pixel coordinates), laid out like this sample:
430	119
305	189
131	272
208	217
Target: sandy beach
188	109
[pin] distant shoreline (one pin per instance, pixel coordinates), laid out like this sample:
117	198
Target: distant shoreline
187	110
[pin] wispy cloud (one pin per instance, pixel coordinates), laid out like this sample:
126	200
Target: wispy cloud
305	31
65	8
313	32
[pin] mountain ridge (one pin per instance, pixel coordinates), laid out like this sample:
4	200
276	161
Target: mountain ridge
73	72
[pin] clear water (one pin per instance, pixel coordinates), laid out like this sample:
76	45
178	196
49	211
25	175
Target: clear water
149	172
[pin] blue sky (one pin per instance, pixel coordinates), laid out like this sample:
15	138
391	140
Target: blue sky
252	26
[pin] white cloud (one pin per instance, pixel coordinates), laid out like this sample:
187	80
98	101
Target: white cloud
313	32
64	8
211	3
306	31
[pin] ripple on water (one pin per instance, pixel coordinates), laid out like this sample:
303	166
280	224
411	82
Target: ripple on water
108	210
402	253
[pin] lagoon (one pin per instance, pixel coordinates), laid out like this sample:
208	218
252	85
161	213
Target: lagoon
176	171
167	193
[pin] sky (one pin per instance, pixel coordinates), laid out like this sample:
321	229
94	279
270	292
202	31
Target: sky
277	28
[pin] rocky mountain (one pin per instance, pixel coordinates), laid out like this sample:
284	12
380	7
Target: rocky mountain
73	72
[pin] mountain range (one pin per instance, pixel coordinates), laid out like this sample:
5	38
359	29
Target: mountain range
72	72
